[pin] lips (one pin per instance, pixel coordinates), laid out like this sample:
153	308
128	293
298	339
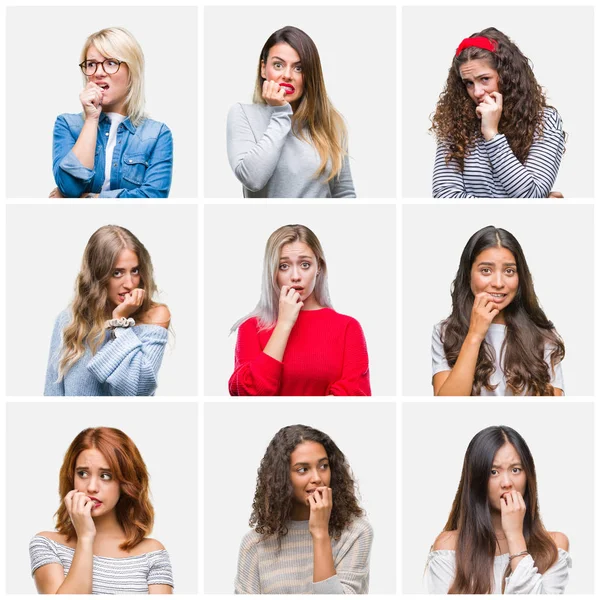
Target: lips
288	87
103	85
297	288
96	502
497	296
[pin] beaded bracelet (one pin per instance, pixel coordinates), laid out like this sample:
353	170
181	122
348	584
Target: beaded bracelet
517	555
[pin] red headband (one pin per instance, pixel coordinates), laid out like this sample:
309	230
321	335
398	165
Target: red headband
478	42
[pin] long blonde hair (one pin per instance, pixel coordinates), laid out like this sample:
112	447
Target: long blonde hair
267	309
91	307
117	42
315	117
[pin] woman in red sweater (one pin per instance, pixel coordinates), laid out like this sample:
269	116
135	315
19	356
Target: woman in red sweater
293	343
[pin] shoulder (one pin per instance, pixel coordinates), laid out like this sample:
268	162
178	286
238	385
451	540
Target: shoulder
157	315
73	120
250	540
332	315
150	126
45	537
249	326
560	539
64	317
446	541
552	118
361	527
148	545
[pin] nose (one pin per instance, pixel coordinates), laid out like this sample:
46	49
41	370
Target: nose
295	274
478	90
506	481
498	281
315	477
288	73
92	486
128	282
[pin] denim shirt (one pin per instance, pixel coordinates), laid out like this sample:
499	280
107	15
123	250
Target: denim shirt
142	163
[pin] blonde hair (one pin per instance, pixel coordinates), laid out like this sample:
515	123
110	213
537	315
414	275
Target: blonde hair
91	307
117	42
315	120
267	309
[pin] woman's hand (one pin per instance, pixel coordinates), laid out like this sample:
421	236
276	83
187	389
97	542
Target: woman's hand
91	100
483	313
321	503
79	506
273	94
132	302
512	511
490	111
289	306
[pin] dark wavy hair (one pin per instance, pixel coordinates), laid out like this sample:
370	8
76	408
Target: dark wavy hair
528	330
274	496
455	122
134	511
471	517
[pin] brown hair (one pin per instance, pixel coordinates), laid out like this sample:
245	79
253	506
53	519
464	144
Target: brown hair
315	119
134	510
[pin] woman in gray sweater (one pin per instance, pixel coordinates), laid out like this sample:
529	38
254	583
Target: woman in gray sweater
291	142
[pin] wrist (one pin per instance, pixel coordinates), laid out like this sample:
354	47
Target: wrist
319	535
474	339
86	540
284	326
489	134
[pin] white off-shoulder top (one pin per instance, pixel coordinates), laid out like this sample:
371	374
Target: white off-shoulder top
525	579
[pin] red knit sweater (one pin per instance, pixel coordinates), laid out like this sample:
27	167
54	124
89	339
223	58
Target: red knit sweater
326	354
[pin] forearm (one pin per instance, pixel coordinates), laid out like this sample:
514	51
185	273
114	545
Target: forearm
85	146
79	578
516	545
277	343
322	558
460	380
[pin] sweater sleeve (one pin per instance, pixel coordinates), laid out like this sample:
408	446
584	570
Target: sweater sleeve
71	177
254	161
53	387
534	178
247	579
42	552
448	181
256	373
342	186
526	580
351	565
355	380
130	362
440	571
159	568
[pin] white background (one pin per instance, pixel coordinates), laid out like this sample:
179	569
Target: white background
233	449
546	36
42	276
166	435
44	81
557	241
560	437
359	247
357	47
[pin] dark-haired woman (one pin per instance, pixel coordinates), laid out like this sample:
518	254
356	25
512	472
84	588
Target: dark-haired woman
309	534
497	137
497	341
291	143
494	541
100	544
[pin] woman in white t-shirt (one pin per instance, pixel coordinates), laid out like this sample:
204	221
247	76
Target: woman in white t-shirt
497	341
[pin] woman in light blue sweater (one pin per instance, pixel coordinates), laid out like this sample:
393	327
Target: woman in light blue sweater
111	339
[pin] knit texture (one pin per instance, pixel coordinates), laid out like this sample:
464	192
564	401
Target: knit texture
266	567
125	366
271	162
326	354
128	575
493	171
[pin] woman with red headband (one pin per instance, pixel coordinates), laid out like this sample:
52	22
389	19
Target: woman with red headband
497	137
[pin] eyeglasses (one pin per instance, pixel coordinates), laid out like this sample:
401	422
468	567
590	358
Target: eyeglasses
110	66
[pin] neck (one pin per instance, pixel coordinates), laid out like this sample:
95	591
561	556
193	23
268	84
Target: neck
311	304
499	318
300	512
107	525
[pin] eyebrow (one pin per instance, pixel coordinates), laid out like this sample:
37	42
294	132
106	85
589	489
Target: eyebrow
517	464
302	464
491	264
301	256
87	468
476	77
124	269
282	60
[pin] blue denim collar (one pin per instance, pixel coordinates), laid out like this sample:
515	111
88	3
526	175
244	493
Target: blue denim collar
126	123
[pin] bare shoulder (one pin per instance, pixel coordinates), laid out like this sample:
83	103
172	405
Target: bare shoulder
60	538
560	539
157	315
148	545
446	540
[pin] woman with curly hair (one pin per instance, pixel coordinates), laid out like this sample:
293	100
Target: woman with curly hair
309	534
494	541
291	142
294	343
497	341
100	544
111	340
497	137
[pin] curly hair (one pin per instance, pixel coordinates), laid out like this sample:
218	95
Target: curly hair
528	330
455	122
134	511
274	496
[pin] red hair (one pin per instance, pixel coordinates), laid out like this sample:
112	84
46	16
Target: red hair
135	513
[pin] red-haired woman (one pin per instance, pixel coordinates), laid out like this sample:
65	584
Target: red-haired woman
100	544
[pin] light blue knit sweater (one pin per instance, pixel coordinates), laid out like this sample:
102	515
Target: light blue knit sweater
125	366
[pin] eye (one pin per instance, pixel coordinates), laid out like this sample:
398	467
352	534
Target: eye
486	270
135	271
82	474
90	64
306	265
277	65
324	467
468	83
301	470
485	79
283	267
516	470
117	273
494	472
298	69
112	62
510	271
106	476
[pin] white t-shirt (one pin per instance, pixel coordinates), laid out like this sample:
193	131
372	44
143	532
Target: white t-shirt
495	337
115	120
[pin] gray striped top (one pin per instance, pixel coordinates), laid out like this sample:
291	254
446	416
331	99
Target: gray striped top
266	567
128	575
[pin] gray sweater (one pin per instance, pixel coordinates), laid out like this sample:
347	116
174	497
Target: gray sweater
125	366
271	162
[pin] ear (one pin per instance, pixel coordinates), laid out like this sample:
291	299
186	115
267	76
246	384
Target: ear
263	70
